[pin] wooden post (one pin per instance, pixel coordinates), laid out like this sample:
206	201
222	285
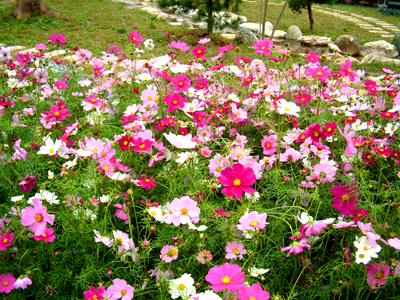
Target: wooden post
279	18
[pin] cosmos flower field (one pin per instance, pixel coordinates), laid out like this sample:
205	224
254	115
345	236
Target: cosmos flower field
195	178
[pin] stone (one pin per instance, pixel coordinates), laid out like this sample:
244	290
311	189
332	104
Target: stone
348	44
151	10
279	34
228	36
314	40
381	48
294	33
31	51
164	16
254	27
246	36
230	30
187	23
396	41
374	58
334	47
342	59
268	26
54	53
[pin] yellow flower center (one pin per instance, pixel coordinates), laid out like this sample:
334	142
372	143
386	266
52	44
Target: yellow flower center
226	280
106	168
174	252
174	102
345	198
120	239
123	292
51	150
95	297
5	283
181	286
38	218
44	235
287	108
149	98
5	241
153	213
184	211
252	298
141	146
254	223
365	248
237	182
181	83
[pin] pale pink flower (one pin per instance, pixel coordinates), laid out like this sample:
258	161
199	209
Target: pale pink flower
235	250
184	211
290	155
169	253
252	220
121	239
120	290
104	239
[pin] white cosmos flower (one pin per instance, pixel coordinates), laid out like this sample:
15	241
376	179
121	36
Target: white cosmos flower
17	198
50	147
255	272
50	174
104	198
197	228
288	108
156	213
365	250
182	287
180	141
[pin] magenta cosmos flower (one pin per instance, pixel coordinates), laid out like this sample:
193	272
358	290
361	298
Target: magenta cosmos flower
181	83
48	236
58	39
36	217
184	211
135	37
6	240
93	293
146	183
61	84
345	198
121	290
296	247
254	292
175	101
169	253
237	180
263	46
377	273
28	183
226	276
6	283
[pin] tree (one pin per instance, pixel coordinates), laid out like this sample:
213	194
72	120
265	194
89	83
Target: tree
205	8
297	5
25	8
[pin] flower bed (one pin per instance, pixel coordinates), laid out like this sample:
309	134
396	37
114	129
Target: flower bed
155	179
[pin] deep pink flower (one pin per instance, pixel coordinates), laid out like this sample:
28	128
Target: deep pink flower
141	145
136	37
169	253
199	51
23	58
36	217
61	84
146	183
175	101
57	39
347	71
313	227
224	277
329	129
179	45
120	290
57	113
6	283
48	236
263	46
181	83
312	57
269	144
319	72
296	247
200	118
90	295
237	180
5	240
345	198
255	292
377	273
28	183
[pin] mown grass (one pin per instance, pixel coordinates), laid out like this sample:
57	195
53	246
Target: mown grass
325	25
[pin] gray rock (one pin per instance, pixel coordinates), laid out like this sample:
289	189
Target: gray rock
348	44
255	27
187	23
314	40
279	34
164	16
246	36
396	41
334	47
268	26
381	48
374	58
294	33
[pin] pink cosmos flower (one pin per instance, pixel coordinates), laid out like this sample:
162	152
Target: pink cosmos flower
61	84
57	113
122	240
20	153
48	236
235	250
343	224
199	51
179	45
6	283
40	47
175	101
206	152
180	141
345	198
252	220
395	243
350	149
123	212
24	58
205	41
224	277
263	46
290	155
319	72
377	273
254	292
369	232
120	290
184	211
22	282
313	227
146	183
140	144
135	37
181	83
269	144
296	247
323	173
347	71
5	240
106	166
169	253
204	256
90	295
237	180
58	39
104	239
36	217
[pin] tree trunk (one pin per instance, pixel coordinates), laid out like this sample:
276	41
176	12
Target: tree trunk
210	17
25	8
310	14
